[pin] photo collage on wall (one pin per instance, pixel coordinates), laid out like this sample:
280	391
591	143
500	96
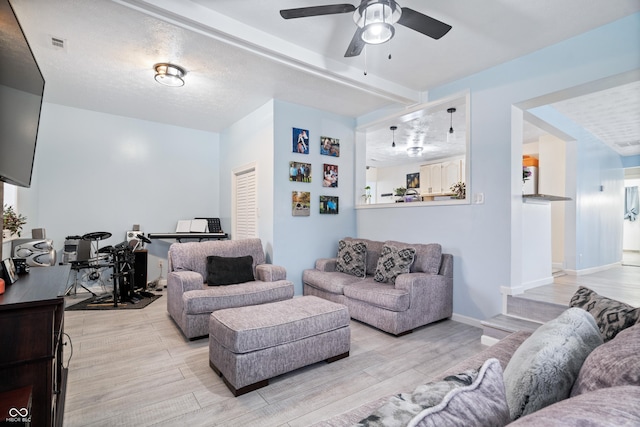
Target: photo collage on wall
301	172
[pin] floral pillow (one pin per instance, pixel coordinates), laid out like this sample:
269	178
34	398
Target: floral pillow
352	258
393	262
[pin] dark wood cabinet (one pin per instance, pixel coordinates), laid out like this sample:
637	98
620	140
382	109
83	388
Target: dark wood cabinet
31	337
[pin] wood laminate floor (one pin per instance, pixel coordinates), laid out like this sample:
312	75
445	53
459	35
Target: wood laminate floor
621	283
134	368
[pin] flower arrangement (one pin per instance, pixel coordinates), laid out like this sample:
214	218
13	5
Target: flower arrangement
400	191
459	189
12	221
526	173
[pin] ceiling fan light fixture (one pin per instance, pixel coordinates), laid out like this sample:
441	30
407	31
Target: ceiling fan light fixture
169	74
414	151
376	18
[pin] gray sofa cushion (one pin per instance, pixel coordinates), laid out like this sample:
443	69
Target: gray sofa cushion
251	293
612	316
543	369
427	259
607	407
329	281
382	295
393	261
614	363
352	258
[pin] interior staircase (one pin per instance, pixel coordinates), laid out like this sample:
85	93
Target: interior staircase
523	313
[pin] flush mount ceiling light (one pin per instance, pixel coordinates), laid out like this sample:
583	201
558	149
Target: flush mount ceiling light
169	74
375	20
414	151
450	134
393	141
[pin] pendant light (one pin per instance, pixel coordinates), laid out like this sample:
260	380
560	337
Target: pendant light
450	134
393	141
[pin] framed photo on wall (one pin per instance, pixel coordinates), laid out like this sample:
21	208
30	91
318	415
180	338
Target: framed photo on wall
330	176
329	205
299	172
329	146
413	180
300	140
300	203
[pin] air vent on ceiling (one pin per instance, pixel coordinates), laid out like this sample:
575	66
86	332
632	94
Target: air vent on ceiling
58	43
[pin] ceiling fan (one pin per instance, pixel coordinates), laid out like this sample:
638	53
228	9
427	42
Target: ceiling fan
375	20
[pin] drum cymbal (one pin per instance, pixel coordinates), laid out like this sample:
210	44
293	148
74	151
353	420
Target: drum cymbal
96	235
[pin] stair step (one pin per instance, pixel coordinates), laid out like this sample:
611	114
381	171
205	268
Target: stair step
535	310
501	325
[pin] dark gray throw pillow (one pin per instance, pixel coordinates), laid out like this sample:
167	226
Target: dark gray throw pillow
611	316
229	270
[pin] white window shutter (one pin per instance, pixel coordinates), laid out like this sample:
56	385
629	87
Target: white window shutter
245	204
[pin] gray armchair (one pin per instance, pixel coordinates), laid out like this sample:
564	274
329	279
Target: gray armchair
190	301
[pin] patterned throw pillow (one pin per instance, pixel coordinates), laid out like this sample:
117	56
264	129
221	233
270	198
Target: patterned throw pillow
393	262
352	257
611	316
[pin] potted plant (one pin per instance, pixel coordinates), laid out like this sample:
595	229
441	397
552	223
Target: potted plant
399	193
367	194
12	222
459	189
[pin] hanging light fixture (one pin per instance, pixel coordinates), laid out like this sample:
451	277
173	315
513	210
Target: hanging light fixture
393	141
376	20
169	74
450	134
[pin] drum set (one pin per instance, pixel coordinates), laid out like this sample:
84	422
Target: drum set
119	258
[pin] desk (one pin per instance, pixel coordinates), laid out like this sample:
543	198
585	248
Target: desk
180	236
32	319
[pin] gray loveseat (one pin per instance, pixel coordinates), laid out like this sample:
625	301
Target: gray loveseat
422	296
190	301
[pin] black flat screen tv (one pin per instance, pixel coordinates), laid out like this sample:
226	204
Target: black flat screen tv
21	89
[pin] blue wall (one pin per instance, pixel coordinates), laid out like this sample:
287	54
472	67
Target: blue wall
486	239
299	241
101	172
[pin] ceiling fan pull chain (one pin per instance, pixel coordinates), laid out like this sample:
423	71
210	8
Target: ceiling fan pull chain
365	60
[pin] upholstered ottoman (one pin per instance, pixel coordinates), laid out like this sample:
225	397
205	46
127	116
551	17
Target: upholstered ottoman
249	345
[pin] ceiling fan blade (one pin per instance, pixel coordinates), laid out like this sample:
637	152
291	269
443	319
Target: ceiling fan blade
356	45
303	12
423	24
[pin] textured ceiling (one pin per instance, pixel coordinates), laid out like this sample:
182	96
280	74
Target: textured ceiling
241	53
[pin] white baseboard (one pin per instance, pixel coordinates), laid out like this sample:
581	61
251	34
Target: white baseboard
466	320
517	290
487	340
593	269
